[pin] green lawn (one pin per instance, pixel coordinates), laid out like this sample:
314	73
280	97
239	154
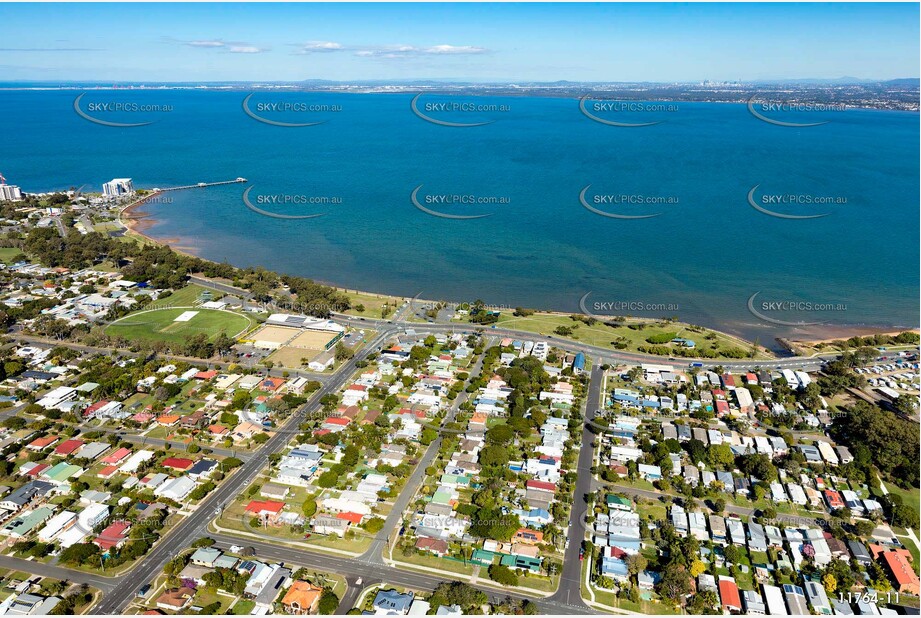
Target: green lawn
8	254
187	296
243	607
599	334
159	325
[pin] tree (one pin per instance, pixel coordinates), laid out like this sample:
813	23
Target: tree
830	583
675	582
309	507
904	516
329	603
636	563
697	567
373	525
501	574
343	353
328	479
720	456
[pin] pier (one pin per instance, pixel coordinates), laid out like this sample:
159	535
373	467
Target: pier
200	185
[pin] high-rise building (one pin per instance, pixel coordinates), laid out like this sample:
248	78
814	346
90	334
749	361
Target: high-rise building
118	187
10	193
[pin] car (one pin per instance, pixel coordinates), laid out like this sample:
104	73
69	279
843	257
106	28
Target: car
145	589
308	535
581	554
236	549
358	581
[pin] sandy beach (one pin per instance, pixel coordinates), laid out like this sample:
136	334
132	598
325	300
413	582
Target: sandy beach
138	221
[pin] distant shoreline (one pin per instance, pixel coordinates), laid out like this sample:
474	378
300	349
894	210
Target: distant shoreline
687	93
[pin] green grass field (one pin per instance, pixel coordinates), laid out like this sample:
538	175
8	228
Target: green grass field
159	325
8	254
187	296
602	335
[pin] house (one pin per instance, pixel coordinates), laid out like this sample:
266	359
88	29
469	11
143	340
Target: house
773	598
302	598
754	604
180	464
116	457
528	537
176	489
815	592
27	604
266	509
176	599
113	536
267	588
391	602
619	503
68	447
24	495
56	525
274	490
796	600
205	556
718	529
729	595
326	524
904	577
434	546
39	444
860	552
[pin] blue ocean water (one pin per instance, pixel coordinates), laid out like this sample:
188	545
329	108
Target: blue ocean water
701	259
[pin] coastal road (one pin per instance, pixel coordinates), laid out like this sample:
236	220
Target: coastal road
196	524
602	355
223	288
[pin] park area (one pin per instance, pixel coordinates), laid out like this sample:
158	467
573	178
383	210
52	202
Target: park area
177	325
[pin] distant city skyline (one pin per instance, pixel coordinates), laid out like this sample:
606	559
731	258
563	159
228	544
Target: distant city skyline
472	42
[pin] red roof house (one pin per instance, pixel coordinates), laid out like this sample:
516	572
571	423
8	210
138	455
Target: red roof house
117	456
113	536
541	485
352	518
729	595
68	447
178	463
265	507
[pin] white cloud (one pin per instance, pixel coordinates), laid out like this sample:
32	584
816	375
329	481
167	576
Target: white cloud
244	49
389	51
409	51
226	46
454	49
320	46
212	43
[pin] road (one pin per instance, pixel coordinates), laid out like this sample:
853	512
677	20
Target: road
105	584
196	524
373	573
570	590
175	444
602	355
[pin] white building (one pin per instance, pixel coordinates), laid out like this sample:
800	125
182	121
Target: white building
10	193
118	187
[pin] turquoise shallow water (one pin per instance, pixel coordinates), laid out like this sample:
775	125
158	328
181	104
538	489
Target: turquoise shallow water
704	256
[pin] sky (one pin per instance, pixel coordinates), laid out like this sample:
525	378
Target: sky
469	41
